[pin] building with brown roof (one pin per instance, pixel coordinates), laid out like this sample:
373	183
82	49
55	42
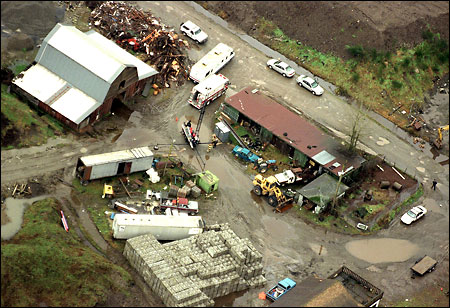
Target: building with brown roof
289	132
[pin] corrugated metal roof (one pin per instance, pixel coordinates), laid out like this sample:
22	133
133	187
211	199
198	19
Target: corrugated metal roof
88	61
292	128
113	50
57	93
98	159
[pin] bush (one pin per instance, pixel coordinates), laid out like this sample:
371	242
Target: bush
427	35
356	51
355	77
406	62
396	84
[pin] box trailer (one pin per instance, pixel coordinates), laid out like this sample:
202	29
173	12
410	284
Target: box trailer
163	227
208	90
115	163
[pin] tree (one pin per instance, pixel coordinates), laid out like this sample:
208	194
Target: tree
356	129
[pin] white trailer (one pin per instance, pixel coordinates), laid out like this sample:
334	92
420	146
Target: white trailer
208	90
211	63
163	227
115	163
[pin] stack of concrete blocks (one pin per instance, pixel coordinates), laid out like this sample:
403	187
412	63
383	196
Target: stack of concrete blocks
194	271
195	190
186	189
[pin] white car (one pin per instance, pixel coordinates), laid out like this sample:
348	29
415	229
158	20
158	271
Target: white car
193	31
413	214
310	84
281	67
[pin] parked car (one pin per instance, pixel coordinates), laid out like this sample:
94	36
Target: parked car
309	84
413	214
281	67
245	154
194	32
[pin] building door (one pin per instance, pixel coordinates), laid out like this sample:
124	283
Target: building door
87	173
121	168
127	168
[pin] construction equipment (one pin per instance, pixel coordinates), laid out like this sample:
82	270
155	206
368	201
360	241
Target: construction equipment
438	142
268	186
108	191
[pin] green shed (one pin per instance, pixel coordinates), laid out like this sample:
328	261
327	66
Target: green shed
207	181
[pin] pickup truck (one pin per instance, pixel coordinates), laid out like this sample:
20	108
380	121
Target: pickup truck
287	177
280	289
245	154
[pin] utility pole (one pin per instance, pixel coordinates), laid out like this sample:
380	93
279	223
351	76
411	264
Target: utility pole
337	189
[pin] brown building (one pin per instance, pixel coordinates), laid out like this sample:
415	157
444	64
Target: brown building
76	76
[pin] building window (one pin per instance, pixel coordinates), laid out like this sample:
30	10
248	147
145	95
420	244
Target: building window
122	84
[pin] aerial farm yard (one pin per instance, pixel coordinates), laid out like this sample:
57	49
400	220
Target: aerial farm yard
106	165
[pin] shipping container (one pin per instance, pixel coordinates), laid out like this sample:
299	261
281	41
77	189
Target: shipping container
163	227
115	163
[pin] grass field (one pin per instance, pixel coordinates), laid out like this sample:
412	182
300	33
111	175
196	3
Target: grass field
43	264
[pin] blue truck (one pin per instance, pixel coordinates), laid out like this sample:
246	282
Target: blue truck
245	154
281	288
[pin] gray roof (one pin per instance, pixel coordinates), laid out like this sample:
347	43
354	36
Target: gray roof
322	190
86	60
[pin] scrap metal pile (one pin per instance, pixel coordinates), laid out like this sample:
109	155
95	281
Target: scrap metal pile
141	32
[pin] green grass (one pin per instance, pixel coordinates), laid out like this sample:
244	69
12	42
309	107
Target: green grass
34	130
44	264
330	222
370	72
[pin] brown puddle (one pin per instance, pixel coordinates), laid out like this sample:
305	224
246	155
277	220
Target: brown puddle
382	250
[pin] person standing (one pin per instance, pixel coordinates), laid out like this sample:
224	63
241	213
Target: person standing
434	184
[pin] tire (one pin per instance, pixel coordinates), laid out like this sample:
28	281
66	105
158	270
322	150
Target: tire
257	190
263	170
272	201
284	75
270	66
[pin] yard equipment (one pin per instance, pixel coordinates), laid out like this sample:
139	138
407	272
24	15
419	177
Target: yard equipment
268	186
263	166
108	191
438	142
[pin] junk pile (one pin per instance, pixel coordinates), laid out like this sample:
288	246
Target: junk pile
141	32
192	272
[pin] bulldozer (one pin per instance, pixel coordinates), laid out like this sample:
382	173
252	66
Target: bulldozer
268	186
438	142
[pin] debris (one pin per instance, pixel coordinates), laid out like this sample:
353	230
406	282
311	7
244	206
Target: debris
380	168
141	32
398	173
397	186
124	187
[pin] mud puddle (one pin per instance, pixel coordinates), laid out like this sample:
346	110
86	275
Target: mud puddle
14	211
228	300
382	250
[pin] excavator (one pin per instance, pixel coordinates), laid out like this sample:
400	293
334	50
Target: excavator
438	142
268	186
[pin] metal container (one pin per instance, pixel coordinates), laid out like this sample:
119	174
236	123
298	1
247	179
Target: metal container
222	132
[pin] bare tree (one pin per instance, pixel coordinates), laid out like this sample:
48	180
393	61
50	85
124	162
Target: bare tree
356	129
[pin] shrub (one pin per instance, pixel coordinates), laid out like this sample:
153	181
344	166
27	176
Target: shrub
427	35
406	62
396	84
356	51
355	77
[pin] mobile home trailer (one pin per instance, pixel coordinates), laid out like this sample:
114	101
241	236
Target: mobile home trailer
115	163
163	227
211	63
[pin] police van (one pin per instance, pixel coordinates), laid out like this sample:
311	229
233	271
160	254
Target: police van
211	63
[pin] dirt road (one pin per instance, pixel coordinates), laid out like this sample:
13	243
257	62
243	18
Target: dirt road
284	240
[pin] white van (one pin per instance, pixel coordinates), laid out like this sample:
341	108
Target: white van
211	63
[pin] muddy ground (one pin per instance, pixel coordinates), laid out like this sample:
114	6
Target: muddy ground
330	25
